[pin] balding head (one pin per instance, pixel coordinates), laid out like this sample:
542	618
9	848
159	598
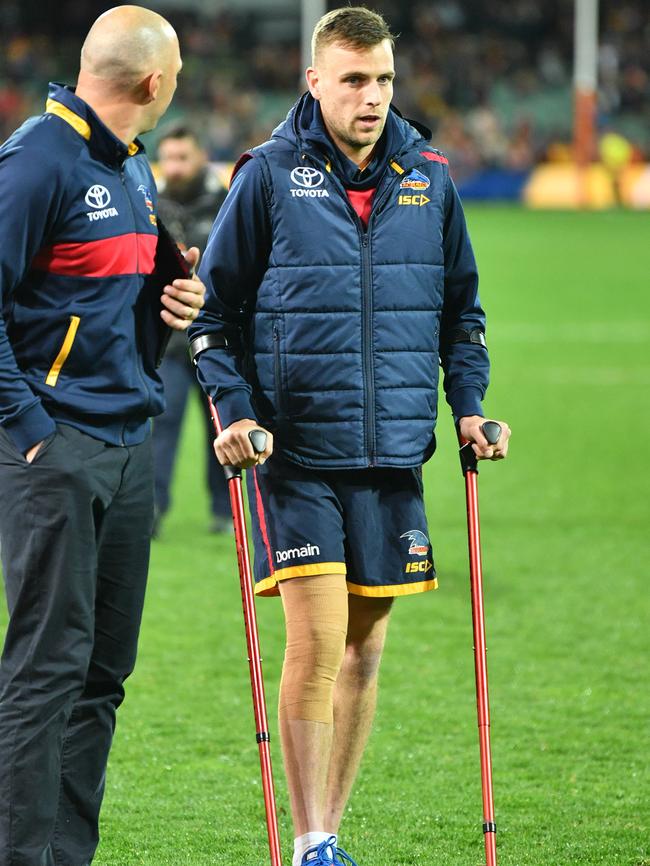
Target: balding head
129	65
128	43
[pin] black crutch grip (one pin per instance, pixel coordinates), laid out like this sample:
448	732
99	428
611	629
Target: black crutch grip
258	441
491	431
468	460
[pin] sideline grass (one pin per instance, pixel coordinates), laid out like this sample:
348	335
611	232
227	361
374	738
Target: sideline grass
565	544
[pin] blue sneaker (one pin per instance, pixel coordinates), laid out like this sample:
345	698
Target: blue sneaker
342	858
320	855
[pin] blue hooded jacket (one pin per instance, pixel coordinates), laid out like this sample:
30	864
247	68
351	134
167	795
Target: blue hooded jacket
80	285
342	326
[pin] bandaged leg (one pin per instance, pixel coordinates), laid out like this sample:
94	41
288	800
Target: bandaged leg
355	698
316	615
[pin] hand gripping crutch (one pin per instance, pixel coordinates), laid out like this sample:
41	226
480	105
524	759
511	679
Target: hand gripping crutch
468	461
233	475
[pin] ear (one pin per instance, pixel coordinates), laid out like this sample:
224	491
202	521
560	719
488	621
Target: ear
150	86
313	82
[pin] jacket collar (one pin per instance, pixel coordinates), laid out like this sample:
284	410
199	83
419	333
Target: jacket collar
402	140
63	102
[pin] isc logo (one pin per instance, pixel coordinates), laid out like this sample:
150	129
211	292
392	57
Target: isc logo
412	567
418	199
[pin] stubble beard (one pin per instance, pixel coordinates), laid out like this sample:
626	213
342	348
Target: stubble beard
369	140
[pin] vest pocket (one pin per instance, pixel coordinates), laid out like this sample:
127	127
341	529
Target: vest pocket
64	351
280	402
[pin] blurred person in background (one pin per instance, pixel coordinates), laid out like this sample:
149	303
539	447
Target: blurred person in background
189	197
89	288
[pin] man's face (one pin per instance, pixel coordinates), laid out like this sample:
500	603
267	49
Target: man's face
180	160
354	88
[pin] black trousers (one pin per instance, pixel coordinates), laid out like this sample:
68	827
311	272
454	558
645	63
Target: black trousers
74	533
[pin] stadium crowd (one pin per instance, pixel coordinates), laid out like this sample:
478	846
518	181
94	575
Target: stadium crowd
492	78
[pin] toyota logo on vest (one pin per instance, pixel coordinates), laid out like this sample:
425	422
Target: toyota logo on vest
308	179
305	176
98	196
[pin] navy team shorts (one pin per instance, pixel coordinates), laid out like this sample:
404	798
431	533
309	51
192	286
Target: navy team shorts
368	524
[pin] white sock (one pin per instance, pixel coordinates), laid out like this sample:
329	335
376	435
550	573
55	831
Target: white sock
309	840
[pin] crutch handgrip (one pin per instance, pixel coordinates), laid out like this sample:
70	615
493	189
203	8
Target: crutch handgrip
258	440
492	431
468	460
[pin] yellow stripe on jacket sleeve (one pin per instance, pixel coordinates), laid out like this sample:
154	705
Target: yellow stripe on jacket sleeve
61	358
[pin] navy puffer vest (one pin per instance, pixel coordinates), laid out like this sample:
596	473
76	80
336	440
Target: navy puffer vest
345	336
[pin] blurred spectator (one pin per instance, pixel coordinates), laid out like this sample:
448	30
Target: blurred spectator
501	69
190	196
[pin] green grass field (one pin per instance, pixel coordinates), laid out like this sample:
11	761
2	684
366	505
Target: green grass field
565	524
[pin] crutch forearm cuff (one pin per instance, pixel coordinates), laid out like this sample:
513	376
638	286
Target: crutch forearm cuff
211	341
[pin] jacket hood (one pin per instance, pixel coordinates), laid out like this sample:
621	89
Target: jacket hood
303	127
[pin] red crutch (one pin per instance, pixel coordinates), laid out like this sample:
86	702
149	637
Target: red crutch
491	431
233	475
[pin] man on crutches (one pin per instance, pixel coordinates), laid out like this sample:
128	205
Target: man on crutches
339	271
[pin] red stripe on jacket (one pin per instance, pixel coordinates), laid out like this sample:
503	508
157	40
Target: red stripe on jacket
434	157
111	257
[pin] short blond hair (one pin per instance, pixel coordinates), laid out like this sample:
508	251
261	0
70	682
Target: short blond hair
352	26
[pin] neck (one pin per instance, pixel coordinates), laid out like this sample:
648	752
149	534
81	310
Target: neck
360	156
115	110
365	162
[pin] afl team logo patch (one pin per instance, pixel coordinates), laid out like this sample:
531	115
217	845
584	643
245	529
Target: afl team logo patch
148	202
306	176
98	197
419	545
415	180
308	181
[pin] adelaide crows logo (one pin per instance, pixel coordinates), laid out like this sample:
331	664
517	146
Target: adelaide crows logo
419	542
148	201
415	180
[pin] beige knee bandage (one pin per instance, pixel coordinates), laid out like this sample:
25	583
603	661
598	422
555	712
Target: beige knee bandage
316	615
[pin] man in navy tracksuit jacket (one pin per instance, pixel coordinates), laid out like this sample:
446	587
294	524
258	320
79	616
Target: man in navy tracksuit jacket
339	273
83	272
